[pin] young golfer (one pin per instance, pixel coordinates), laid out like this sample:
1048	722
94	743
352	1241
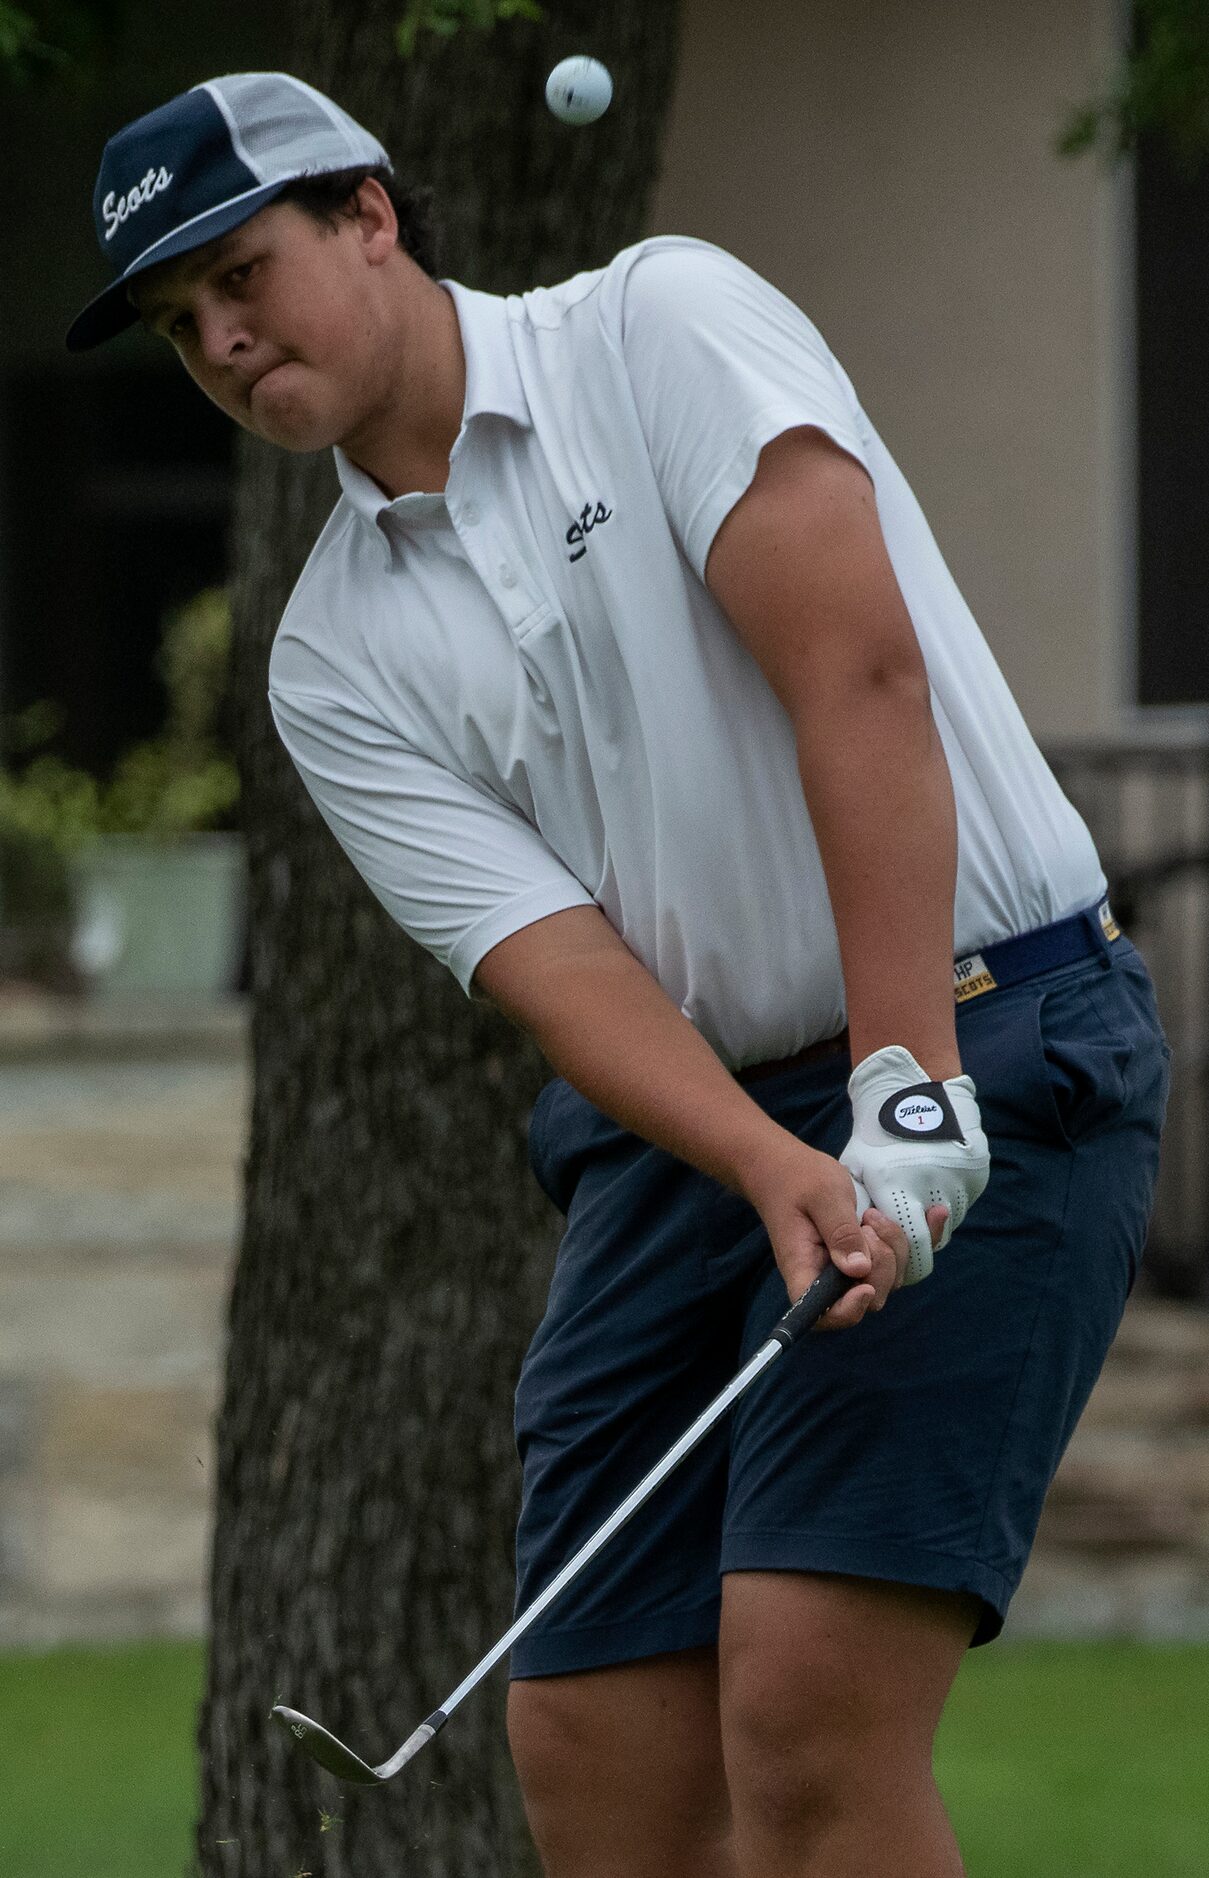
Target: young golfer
628	673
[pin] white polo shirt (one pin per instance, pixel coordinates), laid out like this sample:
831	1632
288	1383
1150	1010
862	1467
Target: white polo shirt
519	695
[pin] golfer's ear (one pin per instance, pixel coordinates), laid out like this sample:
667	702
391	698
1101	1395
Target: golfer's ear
377	221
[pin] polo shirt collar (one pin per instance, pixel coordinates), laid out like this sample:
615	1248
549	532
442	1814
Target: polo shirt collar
493	389
493	379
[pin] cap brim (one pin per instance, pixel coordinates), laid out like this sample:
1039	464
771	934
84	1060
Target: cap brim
111	312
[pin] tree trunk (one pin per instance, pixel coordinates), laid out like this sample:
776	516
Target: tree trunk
396	1249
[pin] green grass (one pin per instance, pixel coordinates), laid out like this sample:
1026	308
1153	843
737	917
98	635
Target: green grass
97	1763
1057	1761
1066	1760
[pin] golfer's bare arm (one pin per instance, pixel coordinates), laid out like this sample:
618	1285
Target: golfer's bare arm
801	569
602	1021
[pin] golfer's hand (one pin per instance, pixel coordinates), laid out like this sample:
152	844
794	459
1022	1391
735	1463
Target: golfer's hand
809	1206
915	1141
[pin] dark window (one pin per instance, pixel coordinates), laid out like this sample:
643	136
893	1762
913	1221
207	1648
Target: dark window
1173	431
116	502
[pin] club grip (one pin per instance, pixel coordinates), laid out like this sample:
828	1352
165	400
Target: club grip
828	1287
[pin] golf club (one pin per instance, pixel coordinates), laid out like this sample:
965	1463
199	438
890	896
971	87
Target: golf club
341	1761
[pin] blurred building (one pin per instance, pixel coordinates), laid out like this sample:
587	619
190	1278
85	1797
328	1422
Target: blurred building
1019	326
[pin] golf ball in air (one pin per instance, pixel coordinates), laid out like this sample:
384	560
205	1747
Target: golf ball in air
579	90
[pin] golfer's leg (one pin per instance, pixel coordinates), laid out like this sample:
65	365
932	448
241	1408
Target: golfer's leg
831	1690
621	1769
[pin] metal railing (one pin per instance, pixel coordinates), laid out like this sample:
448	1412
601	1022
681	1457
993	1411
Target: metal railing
1146	802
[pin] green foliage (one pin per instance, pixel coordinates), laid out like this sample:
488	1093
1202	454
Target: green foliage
48	804
169	785
1163	87
55	38
155	791
192	661
446	18
21	49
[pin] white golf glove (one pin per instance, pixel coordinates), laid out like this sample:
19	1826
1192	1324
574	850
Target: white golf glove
915	1144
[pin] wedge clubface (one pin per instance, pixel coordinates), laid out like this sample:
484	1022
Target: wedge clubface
341	1761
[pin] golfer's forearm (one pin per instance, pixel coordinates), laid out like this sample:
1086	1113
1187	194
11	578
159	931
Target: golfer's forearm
602	1021
881	804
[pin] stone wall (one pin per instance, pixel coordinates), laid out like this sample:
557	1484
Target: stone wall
120	1140
1123	1547
120	1143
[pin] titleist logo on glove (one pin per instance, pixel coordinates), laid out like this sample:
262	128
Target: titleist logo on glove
923	1110
915	1144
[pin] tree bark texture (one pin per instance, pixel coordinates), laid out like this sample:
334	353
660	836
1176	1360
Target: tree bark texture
395	1248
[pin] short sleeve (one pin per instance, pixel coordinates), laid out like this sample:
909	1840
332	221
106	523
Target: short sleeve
720	363
455	867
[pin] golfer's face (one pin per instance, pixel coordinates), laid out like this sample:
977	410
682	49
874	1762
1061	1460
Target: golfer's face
266	321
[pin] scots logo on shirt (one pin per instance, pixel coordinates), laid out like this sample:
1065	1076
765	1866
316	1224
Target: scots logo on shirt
590	516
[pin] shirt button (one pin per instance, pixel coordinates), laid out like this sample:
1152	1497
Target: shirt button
507	577
471	515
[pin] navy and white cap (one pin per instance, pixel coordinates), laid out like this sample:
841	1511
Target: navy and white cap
200	165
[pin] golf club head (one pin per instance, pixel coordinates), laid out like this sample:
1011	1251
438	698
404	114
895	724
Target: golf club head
325	1748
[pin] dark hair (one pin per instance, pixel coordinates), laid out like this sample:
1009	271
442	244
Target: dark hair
327	198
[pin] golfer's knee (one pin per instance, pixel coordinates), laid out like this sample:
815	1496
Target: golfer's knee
626	1761
542	1720
561	1747
800	1760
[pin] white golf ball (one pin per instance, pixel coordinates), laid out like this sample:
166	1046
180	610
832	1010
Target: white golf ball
579	90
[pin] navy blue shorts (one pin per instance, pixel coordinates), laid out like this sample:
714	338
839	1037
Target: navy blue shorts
917	1447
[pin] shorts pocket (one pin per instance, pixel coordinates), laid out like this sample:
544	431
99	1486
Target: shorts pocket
1065	1058
1087	1059
1002	1050
1046	1063
1105	1053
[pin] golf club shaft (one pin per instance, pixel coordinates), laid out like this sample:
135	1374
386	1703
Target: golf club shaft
340	1759
821	1295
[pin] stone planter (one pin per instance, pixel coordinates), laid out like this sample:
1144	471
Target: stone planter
159	916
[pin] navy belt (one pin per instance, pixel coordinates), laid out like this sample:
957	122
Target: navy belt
1010	961
1081	935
